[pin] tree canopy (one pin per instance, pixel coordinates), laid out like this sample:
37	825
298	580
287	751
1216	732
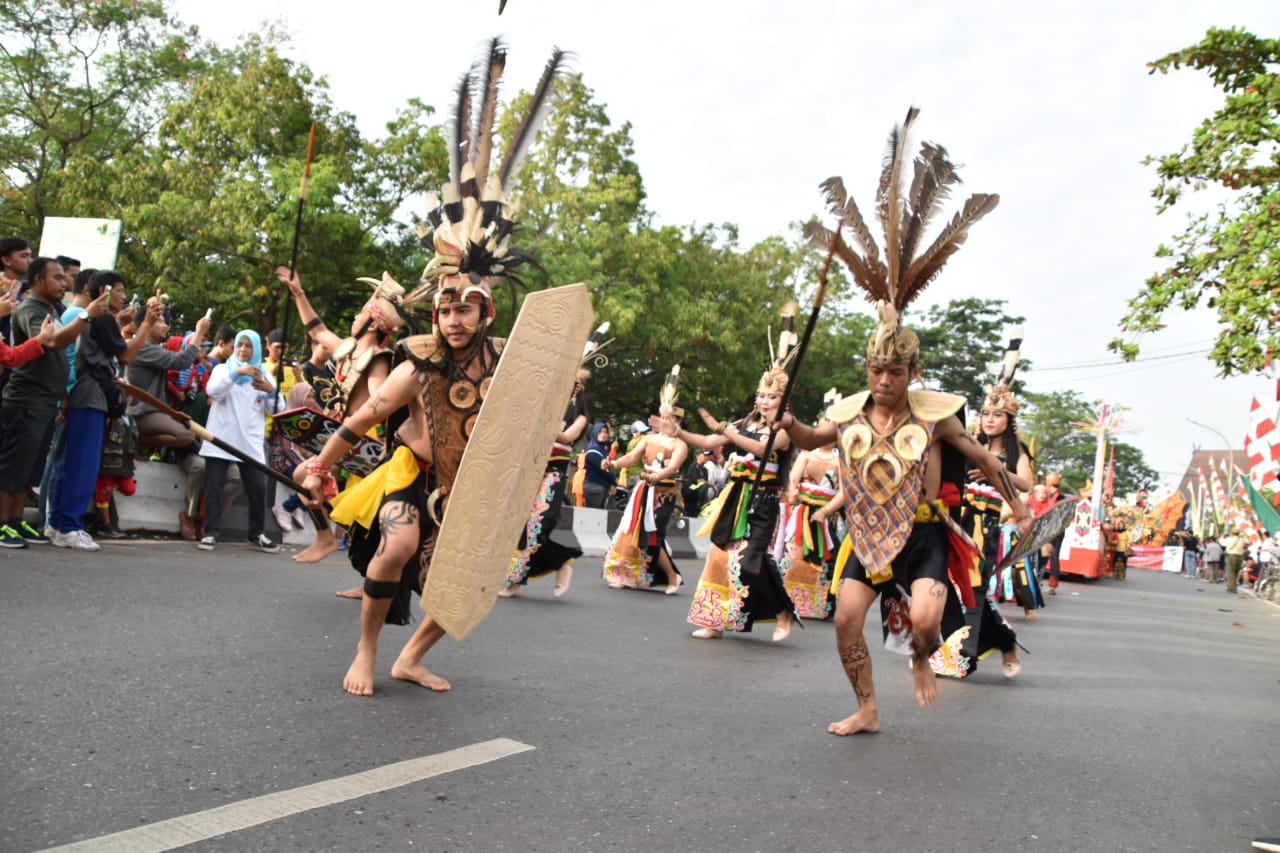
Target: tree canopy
115	109
1228	258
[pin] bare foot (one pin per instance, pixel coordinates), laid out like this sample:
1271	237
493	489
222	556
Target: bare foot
354	592
1030	615
863	721
326	543
784	627
673	588
420	675
563	575
511	590
359	678
707	634
926	683
1011	665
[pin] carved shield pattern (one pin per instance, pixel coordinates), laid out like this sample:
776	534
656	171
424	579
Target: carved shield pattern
503	465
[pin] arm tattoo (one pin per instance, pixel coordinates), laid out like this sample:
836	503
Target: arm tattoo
1009	489
347	434
857	665
376	401
938	590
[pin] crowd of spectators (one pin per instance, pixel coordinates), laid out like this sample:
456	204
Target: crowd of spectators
71	437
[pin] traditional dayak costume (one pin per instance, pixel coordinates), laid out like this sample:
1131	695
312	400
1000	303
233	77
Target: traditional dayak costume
897	533
989	631
631	561
469	226
810	544
740	582
538	554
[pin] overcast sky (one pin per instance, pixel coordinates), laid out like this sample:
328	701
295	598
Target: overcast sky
739	109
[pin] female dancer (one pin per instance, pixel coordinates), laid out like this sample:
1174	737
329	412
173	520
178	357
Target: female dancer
539	554
640	542
810	545
998	432
740	583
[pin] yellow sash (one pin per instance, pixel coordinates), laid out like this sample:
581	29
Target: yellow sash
360	503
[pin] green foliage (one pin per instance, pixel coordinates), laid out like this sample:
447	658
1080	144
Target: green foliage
81	84
1229	257
1063	448
962	343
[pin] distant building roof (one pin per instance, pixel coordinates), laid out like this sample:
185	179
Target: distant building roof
1200	461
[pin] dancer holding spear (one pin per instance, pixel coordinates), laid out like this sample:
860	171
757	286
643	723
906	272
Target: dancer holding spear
890	439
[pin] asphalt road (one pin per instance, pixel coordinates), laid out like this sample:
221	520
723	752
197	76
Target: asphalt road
151	681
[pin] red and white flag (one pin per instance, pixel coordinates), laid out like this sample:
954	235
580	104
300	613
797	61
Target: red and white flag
1262	446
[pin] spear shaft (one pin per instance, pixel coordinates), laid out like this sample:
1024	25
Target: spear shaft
293	257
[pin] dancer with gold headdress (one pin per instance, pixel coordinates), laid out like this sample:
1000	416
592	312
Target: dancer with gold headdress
538	554
639	544
809	543
362	362
891	438
442	382
740	583
981	517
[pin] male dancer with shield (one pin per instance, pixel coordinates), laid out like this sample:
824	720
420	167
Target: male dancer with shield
395	512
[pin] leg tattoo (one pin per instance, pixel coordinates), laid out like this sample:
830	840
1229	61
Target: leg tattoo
857	665
394	517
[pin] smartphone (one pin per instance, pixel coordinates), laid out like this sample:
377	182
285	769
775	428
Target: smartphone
208	314
133	301
15	289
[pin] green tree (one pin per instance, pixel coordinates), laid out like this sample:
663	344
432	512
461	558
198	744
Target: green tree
962	344
1063	448
1228	257
209	210
81	84
686	295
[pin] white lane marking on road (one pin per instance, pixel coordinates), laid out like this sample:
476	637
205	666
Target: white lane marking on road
233	817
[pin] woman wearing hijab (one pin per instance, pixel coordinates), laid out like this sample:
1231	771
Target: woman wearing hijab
599	483
241	395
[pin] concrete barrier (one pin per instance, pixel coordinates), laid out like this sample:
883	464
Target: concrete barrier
161	495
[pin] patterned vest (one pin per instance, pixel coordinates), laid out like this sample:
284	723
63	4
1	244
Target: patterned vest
883	478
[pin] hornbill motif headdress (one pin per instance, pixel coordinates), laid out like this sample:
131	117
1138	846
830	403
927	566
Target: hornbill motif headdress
774	380
1000	398
668	392
904	211
469	223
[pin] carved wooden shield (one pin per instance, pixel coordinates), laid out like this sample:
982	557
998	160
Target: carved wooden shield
503	465
1046	528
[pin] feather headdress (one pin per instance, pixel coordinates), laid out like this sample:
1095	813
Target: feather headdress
469	223
591	354
1000	397
774	380
668	392
385	308
904	211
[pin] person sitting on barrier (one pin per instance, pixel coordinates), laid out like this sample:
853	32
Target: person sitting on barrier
149	371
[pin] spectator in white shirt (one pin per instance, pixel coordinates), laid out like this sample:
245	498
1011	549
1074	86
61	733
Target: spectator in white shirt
241	394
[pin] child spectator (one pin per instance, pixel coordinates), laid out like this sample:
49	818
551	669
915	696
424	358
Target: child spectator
241	394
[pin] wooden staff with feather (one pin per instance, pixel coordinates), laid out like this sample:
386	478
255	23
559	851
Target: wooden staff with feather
819	296
293	256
